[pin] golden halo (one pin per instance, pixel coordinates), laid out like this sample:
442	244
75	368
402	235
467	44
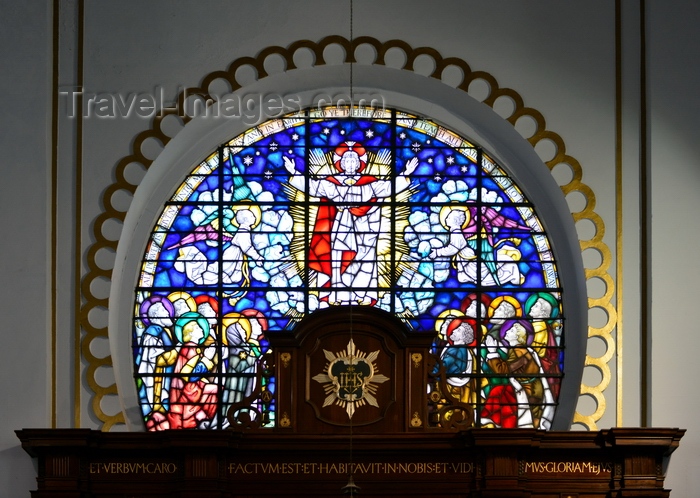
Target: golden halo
446	210
509	299
191	303
253	208
229	320
442	320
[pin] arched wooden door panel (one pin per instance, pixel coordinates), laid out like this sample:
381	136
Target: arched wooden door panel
351	368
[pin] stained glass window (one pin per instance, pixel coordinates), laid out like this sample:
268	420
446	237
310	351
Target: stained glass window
341	206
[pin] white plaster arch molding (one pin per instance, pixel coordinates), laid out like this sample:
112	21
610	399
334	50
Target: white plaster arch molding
400	85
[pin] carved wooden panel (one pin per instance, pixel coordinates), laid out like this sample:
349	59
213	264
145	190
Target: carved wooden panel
351	403
354	369
479	463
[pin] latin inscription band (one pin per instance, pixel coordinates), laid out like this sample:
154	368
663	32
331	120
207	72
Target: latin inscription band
354	468
551	467
132	468
591	468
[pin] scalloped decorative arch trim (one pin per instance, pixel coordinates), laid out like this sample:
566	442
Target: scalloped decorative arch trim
159	131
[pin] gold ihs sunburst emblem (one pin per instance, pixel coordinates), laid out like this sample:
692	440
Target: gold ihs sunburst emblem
350	379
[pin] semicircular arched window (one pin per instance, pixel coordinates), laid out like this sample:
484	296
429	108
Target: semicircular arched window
323	208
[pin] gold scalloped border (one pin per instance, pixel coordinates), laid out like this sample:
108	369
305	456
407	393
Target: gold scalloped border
111	214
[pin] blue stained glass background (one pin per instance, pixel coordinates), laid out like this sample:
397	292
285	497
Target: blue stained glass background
277	281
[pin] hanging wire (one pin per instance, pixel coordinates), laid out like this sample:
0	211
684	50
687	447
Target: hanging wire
351	488
352	55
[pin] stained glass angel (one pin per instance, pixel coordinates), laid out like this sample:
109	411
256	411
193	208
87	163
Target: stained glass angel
478	256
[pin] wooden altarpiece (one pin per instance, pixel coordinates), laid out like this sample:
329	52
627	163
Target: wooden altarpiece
390	441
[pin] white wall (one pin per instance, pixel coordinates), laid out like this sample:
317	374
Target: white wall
559	56
24	225
675	173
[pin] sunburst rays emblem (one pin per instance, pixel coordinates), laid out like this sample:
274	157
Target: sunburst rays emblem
350	379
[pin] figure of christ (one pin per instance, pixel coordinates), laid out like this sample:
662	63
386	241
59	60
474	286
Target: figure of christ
343	249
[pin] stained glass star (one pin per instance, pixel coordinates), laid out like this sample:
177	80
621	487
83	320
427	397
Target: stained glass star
369	133
273	146
450	160
326	131
295	137
402	135
247	160
415	146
